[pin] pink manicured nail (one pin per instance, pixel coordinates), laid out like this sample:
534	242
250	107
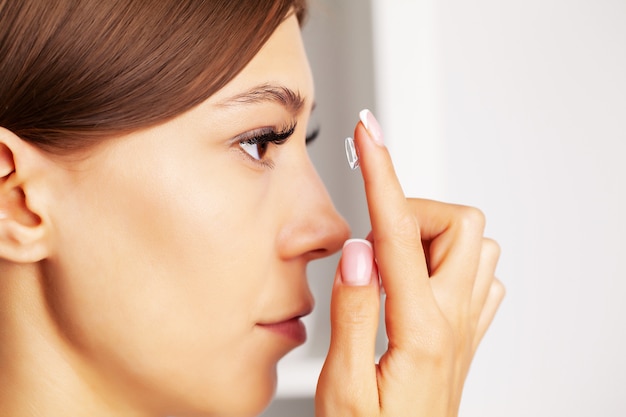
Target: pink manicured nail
356	262
372	126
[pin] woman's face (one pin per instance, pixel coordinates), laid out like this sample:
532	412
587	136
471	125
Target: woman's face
179	254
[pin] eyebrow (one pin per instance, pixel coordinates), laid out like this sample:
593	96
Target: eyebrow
291	100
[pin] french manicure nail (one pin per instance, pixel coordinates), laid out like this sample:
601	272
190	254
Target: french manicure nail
372	126
356	262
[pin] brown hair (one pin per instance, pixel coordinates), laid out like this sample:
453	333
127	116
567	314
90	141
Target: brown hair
75	71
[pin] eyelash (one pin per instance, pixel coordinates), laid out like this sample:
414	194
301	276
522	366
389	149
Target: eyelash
270	136
310	137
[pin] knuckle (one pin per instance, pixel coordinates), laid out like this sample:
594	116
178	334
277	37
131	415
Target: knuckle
356	318
357	312
491	248
498	290
404	230
471	219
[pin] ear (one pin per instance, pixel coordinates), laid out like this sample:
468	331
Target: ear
22	231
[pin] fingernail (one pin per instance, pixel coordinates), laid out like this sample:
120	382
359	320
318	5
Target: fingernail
356	262
372	126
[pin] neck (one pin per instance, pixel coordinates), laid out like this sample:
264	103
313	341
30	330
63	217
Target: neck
40	374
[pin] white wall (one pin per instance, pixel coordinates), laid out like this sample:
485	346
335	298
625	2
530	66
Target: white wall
517	107
521	107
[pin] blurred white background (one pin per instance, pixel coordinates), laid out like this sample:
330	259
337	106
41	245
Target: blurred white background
517	107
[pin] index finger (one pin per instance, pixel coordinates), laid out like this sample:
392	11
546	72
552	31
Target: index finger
395	231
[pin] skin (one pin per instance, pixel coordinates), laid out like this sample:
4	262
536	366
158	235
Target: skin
143	278
164	249
441	296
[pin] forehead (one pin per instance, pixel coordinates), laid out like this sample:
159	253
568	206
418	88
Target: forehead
281	61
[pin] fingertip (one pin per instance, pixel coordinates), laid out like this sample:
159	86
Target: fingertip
357	262
372	126
363	116
356	241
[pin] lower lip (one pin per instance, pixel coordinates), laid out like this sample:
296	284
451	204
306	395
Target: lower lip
293	329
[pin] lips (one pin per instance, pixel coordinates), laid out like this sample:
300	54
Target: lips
291	329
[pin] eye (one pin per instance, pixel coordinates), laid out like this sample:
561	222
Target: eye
257	142
255	150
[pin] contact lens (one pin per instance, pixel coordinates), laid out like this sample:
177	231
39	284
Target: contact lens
353	157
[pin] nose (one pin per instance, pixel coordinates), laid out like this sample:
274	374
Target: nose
314	228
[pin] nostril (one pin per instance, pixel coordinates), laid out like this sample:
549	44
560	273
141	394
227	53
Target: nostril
319	253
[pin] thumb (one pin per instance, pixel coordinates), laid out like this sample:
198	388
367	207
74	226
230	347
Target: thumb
349	373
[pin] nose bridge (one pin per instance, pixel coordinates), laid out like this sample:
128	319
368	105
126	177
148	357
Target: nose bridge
314	227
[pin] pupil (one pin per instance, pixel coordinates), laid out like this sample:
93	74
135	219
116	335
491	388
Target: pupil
262	149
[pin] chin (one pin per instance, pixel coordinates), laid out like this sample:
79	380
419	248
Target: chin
253	405
248	398
258	397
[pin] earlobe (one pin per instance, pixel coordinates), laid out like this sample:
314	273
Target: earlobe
22	232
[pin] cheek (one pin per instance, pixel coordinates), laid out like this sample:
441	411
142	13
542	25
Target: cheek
158	284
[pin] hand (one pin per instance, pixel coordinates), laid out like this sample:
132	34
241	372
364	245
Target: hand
437	270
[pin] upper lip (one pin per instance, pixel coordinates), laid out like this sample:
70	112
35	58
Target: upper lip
294	314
